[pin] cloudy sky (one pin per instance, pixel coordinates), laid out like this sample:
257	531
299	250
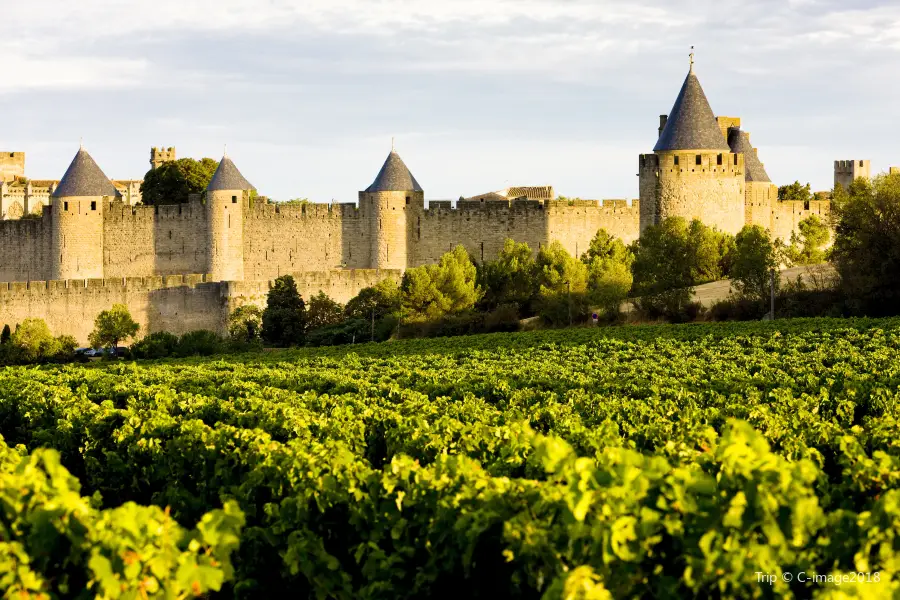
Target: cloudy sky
479	94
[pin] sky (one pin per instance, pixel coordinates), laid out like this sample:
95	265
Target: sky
477	94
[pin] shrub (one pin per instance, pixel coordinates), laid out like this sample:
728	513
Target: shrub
322	311
112	326
199	343
284	319
755	258
156	345
245	324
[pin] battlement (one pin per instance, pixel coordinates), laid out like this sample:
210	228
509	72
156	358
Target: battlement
119	211
850	166
134	284
689	162
726	123
158	156
308	210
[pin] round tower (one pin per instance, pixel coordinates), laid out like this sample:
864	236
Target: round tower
692	172
77	207
389	201
226	195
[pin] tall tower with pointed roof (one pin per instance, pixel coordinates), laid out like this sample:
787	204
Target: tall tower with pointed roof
77	228
227	193
692	172
393	201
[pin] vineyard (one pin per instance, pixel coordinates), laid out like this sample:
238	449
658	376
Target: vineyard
651	462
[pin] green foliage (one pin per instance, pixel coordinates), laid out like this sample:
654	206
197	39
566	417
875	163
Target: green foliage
172	182
112	326
608	262
322	311
511	279
201	342
54	543
245	324
562	286
629	462
35	341
449	287
795	191
807	246
755	258
6	335
284	319
382	299
866	251
664	269
156	345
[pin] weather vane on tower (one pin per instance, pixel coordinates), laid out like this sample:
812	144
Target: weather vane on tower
692	59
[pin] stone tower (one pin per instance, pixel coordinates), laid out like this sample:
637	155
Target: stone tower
226	195
158	156
77	222
12	165
692	172
390	199
848	171
760	193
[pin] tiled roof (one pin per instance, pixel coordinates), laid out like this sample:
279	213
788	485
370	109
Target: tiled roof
691	124
227	177
394	176
740	143
541	192
84	178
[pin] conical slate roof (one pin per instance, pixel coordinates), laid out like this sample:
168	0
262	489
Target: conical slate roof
691	124
84	178
227	177
394	176
753	168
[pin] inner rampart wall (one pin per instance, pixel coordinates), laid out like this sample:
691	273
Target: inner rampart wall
575	222
786	215
145	241
312	237
25	248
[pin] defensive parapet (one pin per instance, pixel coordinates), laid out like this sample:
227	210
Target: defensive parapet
158	156
12	165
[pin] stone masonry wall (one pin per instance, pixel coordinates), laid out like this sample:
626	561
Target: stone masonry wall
759	201
144	241
312	237
574	223
786	215
177	304
25	249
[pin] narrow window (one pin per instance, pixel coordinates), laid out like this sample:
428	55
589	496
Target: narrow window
229	221
482	251
719	160
806	205
699	159
407	199
65	206
735	158
676	161
234	199
860	163
170	234
418	228
93	205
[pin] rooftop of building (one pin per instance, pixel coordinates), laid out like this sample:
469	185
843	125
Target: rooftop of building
84	178
394	176
228	177
691	125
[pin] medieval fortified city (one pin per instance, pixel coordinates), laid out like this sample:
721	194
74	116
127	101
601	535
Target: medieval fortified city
87	242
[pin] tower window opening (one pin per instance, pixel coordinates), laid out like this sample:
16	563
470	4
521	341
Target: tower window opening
699	159
407	199
860	163
719	160
65	206
93	205
676	161
735	158
234	199
806	205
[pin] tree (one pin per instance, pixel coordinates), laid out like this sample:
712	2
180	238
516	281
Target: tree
382	299
708	249
795	191
755	258
172	182
245	323
608	263
663	269
807	247
562	285
322	311
6	335
112	326
866	251
432	291
34	338
511	279
284	319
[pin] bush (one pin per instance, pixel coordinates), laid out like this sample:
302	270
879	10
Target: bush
199	343
754	260
322	311
511	279
245	324
156	345
449	287
609	262
562	286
